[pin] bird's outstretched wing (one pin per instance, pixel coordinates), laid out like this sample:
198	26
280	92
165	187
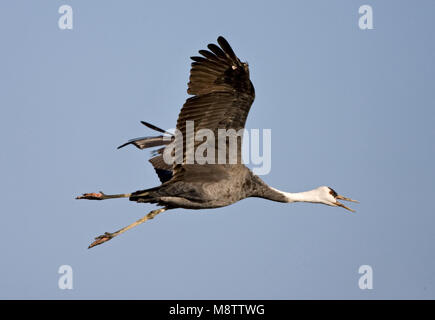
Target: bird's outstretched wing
223	95
223	92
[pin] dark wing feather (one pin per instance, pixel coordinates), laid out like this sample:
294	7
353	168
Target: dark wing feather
217	51
223	93
227	48
146	142
151	126
219	70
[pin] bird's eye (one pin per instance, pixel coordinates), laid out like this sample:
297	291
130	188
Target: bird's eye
332	192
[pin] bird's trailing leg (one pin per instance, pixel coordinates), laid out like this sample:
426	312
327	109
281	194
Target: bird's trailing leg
102	196
107	236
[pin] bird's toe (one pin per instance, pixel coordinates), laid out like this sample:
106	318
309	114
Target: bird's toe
92	196
101	239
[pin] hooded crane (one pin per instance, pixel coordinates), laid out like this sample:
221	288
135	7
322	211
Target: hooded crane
222	96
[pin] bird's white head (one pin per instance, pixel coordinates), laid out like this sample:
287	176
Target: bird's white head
328	196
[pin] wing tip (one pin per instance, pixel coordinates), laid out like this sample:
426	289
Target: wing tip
222	39
226	47
125	144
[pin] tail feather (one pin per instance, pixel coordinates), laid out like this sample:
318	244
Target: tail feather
146	195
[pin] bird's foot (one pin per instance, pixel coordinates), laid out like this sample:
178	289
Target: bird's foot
101	239
92	196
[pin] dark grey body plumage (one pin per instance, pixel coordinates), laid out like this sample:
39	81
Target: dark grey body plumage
225	184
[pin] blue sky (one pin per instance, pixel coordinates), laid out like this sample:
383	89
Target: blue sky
348	108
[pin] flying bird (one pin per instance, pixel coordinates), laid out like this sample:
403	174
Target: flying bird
222	97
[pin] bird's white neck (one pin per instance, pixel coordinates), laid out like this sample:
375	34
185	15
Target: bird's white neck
306	196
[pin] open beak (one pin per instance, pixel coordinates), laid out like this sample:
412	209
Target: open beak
345	199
